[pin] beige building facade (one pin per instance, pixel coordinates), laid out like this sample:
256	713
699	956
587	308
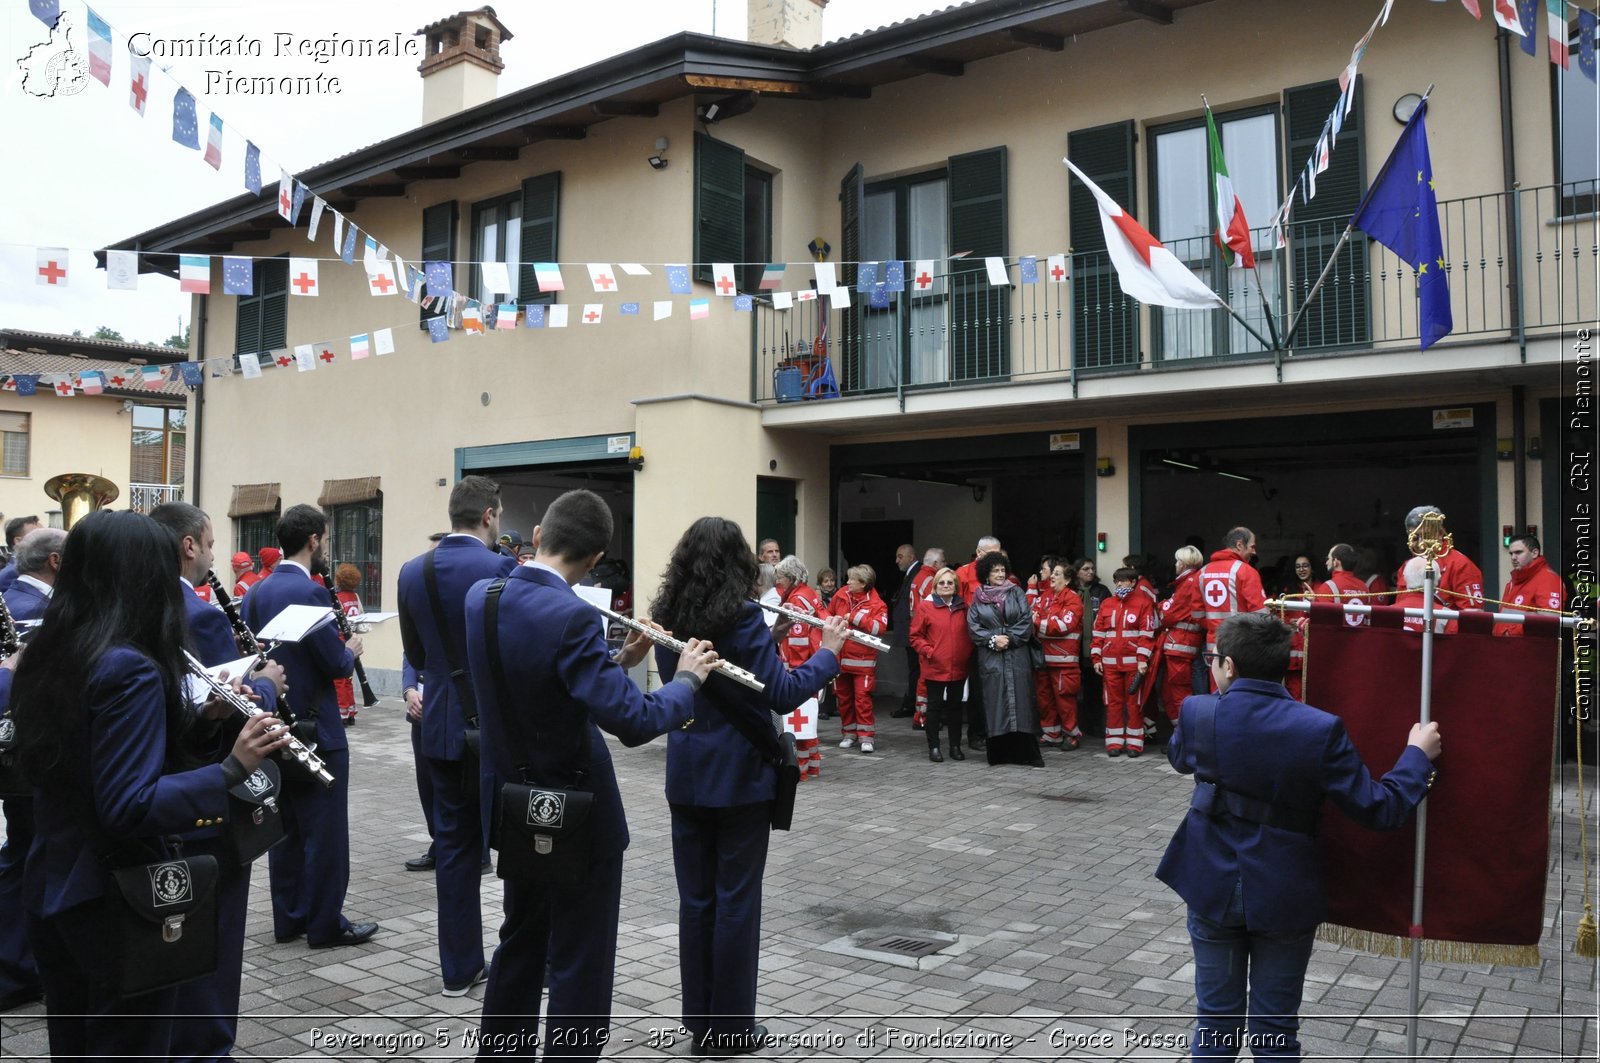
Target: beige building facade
1062	417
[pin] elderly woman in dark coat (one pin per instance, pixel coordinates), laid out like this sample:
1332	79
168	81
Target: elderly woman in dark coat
1001	625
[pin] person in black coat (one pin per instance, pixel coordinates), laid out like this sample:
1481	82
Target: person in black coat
1001	625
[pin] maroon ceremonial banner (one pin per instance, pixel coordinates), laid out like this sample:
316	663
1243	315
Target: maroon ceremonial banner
1495	700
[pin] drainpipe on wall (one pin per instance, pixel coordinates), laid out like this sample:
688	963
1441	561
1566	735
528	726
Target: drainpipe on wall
197	333
1519	469
1508	162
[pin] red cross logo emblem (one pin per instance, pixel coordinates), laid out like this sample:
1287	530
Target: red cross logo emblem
63	388
724	285
282	360
116	381
1056	273
382	282
798	719
592	316
604	282
923	281
51	272
284	201
327	355
305	282
138	89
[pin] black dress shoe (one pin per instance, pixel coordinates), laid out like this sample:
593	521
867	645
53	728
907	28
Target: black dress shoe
901	713
486	867
737	1044
955	751
420	863
356	935
284	939
976	744
934	755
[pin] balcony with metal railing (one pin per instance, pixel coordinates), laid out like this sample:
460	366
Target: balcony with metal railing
142	498
1519	267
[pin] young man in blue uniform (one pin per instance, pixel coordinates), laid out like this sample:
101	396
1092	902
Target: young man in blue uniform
210	1006
310	868
433	591
1245	856
563	687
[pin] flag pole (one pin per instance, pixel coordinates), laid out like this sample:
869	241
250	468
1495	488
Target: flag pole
1429	541
1216	222
1344	238
1243	323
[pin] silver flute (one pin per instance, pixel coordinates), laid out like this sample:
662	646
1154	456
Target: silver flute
723	668
850	633
296	749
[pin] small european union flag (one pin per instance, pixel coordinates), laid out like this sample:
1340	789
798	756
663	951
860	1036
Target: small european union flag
348	252
252	168
866	275
878	296
440	281
678	280
1030	269
1587	23
631	308
27	383
535	315
437	330
190	371
238	276
1401	212
744	302
894	276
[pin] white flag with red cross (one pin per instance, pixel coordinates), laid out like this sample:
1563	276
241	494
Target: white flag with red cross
802	722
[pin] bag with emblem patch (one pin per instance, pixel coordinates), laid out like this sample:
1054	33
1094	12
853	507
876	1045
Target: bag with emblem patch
161	924
543	835
12	784
255	822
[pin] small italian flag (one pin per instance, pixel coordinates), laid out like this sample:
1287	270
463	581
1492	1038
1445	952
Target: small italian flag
1233	232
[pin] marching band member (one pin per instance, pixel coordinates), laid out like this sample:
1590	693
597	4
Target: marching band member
860	605
799	643
720	785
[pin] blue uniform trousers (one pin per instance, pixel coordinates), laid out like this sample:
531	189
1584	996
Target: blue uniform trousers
18	975
212	1004
574	932
310	869
458	858
84	1019
719	855
1227	957
424	783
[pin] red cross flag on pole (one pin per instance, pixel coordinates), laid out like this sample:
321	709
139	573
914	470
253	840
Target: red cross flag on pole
52	269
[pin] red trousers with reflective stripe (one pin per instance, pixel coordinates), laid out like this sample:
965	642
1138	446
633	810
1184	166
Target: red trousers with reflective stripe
1056	690
1176	687
1124	720
854	690
808	755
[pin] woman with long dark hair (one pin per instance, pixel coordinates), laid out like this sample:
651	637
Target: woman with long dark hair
104	731
1001	626
720	783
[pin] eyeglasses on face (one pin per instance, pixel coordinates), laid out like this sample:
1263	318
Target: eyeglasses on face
1210	658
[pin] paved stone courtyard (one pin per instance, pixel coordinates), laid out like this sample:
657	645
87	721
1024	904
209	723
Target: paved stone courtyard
1061	943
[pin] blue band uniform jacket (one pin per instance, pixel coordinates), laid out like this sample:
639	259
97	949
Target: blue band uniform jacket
313	663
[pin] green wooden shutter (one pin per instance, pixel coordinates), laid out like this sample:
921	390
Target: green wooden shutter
1105	322
541	210
439	245
852	205
272	283
718	204
1339	316
980	323
247	327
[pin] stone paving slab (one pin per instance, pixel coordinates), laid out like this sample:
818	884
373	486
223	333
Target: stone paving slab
1068	946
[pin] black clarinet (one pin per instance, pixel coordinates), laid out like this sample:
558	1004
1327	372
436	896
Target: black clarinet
10	641
368	698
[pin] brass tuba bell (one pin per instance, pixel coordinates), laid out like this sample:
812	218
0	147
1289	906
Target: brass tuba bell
80	494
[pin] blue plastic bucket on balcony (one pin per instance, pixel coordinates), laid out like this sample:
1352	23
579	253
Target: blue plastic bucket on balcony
788	383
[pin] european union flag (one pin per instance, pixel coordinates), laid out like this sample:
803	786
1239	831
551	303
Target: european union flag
633	308
535	318
185	126
866	275
678	280
252	168
27	383
190	371
1401	212
440	281
1587	23
1030	269
1527	11
348	252
437	332
894	276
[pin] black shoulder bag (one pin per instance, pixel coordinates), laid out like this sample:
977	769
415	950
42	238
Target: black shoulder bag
776	749
255	822
12	781
472	750
542	833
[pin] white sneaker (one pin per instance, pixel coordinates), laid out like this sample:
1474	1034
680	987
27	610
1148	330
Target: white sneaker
866	746
462	990
846	743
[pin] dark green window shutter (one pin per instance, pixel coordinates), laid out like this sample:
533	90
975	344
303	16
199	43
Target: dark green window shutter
247	327
1105	322
980	324
1339	315
439	245
718	204
260	319
852	204
541	211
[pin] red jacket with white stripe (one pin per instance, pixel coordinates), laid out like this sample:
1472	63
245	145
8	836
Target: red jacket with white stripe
1534	586
940	638
1124	632
921	586
1058	619
863	612
1182	632
799	640
1228	585
1346	588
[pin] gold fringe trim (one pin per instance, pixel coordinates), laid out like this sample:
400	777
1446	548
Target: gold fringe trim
1586	944
1433	950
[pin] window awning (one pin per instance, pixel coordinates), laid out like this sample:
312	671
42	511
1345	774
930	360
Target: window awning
250	500
349	492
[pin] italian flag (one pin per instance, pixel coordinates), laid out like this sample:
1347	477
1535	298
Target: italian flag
1556	30
1233	232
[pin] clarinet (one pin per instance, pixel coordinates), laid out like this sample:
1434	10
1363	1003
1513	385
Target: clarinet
247	642
10	641
302	754
368	698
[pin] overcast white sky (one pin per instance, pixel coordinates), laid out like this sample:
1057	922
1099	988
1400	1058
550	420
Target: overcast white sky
84	170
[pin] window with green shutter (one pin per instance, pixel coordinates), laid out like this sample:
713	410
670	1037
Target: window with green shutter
1105	322
439	245
260	320
541	211
719	181
1339	316
980	323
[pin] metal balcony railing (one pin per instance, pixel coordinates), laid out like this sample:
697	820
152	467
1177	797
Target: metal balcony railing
142	498
1521	265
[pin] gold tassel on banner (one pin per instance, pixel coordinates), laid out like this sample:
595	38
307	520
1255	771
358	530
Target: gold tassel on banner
1586	945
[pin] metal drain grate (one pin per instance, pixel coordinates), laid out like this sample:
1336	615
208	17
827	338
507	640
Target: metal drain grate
903	945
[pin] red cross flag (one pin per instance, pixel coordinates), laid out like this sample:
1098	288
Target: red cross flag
52	269
592	313
923	276
1145	268
285	196
303	276
724	279
1057	269
380	278
802	722
601	276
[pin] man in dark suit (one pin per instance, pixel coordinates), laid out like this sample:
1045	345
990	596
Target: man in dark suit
37	559
17	528
211	1005
310	868
1245	856
900	608
560	683
433	592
